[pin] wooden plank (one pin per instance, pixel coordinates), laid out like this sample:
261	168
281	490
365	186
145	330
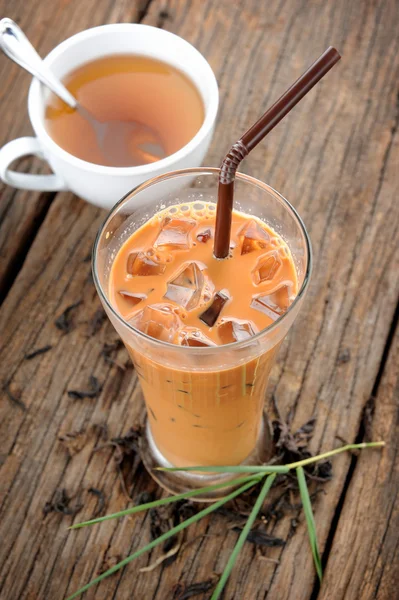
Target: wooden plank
335	160
370	515
46	25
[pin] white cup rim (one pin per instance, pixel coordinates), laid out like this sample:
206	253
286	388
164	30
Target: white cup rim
35	100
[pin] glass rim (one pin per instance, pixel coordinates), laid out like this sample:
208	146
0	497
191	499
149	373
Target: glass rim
203	171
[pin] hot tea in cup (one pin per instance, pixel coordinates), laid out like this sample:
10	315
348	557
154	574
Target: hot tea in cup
195	102
161	101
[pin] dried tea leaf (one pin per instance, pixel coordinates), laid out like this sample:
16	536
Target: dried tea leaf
64	321
323	471
306	429
184	592
100	500
108	353
95	322
60	504
129	443
93	392
37	352
344	356
293	446
261	538
144	498
127	456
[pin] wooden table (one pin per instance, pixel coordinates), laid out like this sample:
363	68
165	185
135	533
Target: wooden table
336	158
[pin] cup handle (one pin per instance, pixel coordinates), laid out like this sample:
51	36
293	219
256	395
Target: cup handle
27	181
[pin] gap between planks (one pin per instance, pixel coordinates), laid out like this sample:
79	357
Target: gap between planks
44	202
354	459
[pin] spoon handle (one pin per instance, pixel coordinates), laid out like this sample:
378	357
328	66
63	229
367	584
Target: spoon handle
16	46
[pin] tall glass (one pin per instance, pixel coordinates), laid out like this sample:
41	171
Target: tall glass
205	406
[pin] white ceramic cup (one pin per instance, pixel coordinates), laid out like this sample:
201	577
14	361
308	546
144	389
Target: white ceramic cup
97	184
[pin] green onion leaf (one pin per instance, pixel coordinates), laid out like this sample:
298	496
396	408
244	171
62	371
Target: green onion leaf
162	501
165	536
243	536
307	508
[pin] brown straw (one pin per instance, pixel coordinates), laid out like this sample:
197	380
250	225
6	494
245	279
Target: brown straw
253	136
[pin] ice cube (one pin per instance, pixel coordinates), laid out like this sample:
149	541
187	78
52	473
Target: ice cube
252	237
130	262
174	234
158	321
267	267
189	287
211	314
146	263
191	336
236	330
285	295
275	304
204	235
131	298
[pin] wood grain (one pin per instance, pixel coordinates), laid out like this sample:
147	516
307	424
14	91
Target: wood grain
335	159
370	515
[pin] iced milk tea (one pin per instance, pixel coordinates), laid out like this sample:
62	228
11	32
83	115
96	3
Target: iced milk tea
166	283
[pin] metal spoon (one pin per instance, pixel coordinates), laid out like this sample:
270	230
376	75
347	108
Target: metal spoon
115	138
